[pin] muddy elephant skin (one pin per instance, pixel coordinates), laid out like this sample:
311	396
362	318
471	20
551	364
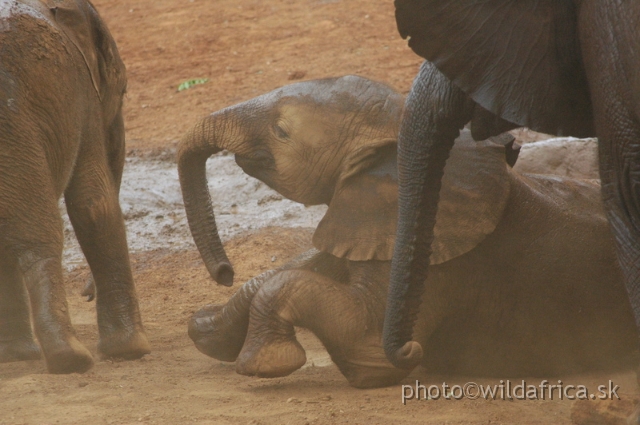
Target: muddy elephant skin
563	67
523	281
61	132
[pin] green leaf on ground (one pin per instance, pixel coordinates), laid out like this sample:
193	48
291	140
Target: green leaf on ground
190	83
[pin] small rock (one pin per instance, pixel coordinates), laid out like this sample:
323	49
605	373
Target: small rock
297	75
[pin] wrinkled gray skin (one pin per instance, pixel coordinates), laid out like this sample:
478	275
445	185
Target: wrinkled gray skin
61	132
537	294
565	67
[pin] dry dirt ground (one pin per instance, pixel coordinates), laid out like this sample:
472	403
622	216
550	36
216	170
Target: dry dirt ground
244	48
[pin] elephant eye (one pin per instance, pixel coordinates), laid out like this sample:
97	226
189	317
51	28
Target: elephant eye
280	132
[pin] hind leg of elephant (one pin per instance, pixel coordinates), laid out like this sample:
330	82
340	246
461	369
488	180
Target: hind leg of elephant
345	317
16	337
94	210
31	236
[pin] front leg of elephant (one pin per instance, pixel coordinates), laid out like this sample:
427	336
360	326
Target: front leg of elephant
219	331
346	317
612	64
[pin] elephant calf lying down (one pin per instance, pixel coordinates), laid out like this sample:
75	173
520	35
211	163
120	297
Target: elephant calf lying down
524	279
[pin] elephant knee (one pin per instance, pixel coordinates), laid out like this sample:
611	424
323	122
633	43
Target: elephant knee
95	211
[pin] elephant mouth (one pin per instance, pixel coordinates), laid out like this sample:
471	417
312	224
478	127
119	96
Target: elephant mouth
262	167
257	165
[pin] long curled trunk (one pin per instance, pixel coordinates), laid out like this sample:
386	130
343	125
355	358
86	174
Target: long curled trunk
214	133
435	111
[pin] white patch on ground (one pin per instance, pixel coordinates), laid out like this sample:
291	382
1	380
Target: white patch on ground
151	201
5	13
23	9
8	8
563	156
5	8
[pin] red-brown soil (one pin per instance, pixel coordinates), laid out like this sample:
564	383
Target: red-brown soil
244	48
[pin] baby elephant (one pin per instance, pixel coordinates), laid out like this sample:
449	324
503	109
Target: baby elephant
524	279
61	131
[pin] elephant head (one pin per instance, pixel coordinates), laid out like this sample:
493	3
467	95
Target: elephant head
303	140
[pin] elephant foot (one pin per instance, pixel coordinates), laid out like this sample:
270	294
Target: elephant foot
271	360
70	357
128	346
212	336
19	350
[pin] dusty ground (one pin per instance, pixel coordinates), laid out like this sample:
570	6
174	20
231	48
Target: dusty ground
244	47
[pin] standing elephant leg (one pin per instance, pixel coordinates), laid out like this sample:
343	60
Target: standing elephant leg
94	211
16	337
31	236
612	64
116	158
346	317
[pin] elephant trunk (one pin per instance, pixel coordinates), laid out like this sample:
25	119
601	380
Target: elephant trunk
435	110
211	135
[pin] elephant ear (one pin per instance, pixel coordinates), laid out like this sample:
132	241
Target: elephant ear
518	59
81	24
360	223
475	190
